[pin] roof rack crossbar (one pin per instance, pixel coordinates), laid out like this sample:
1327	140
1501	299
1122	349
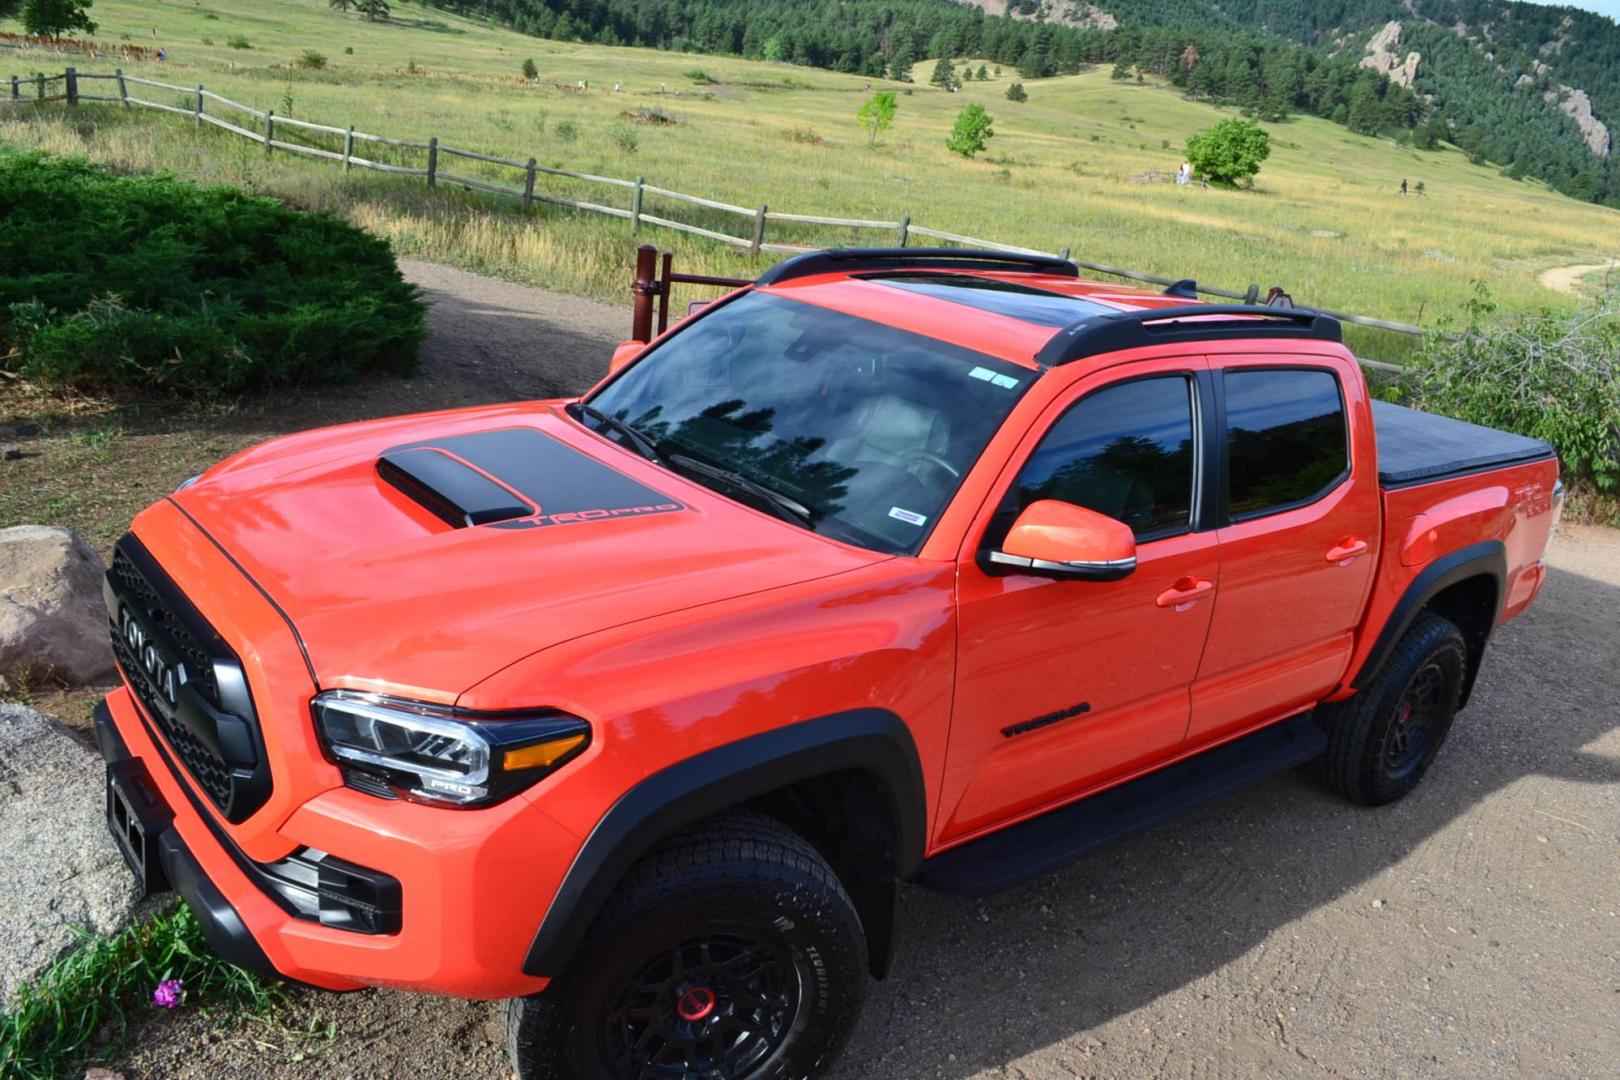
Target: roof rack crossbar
837	260
1184	322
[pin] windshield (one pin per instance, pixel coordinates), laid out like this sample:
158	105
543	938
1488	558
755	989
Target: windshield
851	428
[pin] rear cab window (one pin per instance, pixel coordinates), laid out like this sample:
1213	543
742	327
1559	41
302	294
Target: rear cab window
1287	439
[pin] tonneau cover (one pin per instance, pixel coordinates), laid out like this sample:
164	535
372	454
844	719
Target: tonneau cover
1417	447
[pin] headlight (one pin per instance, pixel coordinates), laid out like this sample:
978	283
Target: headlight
435	754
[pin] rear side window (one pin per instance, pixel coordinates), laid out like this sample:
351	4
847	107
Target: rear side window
1125	451
1286	440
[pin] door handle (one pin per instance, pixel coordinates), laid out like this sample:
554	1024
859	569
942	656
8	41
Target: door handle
1184	593
1346	549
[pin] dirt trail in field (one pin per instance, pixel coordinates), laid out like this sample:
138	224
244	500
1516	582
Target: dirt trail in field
1471	930
1568	278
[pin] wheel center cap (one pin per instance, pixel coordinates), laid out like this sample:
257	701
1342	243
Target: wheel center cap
696	1004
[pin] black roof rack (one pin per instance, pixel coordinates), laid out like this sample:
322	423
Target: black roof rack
1186	288
1153	326
835	260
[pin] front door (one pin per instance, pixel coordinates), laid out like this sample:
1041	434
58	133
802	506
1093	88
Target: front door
1063	685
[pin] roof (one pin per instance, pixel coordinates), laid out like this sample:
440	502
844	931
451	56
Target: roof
1031	310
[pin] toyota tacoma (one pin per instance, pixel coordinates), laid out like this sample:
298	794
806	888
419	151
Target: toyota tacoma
897	565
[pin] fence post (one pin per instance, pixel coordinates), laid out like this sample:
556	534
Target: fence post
635	205
348	147
759	231
905	230
123	88
433	161
197	117
644	288
1253	295
71	82
39	85
269	130
1064	253
528	185
16	89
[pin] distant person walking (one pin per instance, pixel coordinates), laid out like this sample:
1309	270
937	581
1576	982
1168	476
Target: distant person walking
1184	174
1403	186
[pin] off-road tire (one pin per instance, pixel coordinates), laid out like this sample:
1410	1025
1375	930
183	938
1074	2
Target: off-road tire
1367	759
737	877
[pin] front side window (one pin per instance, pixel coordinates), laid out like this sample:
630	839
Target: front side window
1286	441
1125	451
849	427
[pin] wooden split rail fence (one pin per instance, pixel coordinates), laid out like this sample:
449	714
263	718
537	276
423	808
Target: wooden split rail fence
68	87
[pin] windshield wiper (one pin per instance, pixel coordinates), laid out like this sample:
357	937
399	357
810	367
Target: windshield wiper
783	507
639	442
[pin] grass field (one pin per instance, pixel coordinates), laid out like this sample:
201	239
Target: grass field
1067	168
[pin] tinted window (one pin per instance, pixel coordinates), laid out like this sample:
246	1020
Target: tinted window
1125	451
1285	437
867	427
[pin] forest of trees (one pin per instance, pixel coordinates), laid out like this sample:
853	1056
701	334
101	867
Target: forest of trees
1213	54
884	38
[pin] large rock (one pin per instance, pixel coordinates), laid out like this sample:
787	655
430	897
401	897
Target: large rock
61	869
53	621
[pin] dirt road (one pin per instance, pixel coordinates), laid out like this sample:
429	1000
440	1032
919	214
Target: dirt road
1568	278
1471	930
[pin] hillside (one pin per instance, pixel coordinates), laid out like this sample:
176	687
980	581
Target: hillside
1084	163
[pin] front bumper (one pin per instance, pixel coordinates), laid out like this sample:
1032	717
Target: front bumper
169	856
475	884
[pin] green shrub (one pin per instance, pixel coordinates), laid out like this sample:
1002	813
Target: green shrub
624	137
238	41
1230	151
156	283
311	60
566	130
1554	376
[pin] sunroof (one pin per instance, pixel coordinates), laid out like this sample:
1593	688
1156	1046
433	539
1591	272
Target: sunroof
1000	297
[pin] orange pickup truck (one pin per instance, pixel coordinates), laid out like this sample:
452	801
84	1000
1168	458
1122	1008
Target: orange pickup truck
896	565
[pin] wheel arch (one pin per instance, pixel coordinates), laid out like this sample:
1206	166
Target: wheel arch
856	761
1467	587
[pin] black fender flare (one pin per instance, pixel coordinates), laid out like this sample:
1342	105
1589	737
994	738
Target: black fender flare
1486	558
870	740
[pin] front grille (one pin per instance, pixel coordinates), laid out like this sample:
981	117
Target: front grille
188	680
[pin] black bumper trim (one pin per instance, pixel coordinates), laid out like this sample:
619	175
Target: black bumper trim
227	934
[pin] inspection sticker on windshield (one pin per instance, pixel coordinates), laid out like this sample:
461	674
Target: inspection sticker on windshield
910	517
1006	382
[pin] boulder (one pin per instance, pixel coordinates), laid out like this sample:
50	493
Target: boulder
53	620
63	872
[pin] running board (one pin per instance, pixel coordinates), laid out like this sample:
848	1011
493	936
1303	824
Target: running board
1055	839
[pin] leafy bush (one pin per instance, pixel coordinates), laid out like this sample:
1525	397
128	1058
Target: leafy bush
971	131
566	130
624	137
311	60
1230	151
531	70
239	41
876	114
153	282
1016	92
1554	376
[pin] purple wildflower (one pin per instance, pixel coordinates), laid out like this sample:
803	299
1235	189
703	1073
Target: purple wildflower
169	993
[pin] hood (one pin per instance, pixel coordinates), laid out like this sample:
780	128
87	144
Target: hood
421	554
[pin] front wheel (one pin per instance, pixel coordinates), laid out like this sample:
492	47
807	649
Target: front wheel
731	952
1382	741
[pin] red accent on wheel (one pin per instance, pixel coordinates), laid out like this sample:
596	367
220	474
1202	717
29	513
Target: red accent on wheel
696	1004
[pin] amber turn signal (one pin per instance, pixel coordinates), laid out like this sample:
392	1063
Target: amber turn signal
540	755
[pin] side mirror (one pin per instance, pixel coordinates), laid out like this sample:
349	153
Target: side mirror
1059	539
623	353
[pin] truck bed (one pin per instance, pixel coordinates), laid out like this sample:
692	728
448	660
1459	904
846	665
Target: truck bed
1418	448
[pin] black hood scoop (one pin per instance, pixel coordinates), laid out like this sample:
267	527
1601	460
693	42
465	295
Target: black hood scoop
514	478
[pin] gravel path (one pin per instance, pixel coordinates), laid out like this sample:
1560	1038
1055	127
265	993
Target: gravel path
1471	930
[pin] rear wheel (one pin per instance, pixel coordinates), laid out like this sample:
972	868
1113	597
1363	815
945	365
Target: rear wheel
731	952
1382	741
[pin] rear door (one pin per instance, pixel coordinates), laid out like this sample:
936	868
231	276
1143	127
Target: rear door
1298	541
1063	685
